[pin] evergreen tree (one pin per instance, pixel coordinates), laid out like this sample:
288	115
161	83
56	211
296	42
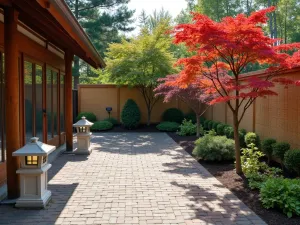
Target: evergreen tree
102	20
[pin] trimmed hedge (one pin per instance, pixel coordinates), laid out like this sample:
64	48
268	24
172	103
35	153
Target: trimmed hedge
131	114
168	126
205	124
112	120
280	148
173	115
101	125
88	115
292	160
191	116
252	138
267	147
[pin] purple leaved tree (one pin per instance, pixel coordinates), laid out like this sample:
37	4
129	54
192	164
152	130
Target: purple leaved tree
195	97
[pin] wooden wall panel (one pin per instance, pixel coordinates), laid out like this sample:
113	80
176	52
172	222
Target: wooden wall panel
95	98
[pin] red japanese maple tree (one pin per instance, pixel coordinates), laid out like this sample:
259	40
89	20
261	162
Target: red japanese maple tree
192	95
221	52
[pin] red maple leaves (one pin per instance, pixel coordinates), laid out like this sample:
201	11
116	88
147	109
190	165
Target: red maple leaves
222	50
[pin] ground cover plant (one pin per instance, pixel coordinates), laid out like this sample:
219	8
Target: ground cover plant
283	194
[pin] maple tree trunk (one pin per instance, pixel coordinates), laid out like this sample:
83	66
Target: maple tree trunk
148	116
198	126
238	165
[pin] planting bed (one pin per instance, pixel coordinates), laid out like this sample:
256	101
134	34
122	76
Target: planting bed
225	173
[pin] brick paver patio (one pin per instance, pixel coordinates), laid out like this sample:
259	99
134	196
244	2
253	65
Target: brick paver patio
134	178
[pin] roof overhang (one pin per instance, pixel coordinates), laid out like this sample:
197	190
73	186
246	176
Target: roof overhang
53	20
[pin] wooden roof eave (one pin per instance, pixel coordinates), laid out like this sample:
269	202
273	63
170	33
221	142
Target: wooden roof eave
70	23
45	18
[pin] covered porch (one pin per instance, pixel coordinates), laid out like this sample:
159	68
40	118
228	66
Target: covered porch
38	41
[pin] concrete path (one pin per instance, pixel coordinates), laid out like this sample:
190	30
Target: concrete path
134	178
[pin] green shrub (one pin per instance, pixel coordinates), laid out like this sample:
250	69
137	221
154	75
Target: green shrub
191	116
256	172
202	120
187	128
210	125
242	134
101	125
229	132
112	120
88	115
131	114
280	148
292	160
168	126
214	148
173	115
267	147
251	137
215	125
220	129
283	194
205	124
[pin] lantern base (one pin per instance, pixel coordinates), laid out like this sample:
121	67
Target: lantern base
83	151
34	202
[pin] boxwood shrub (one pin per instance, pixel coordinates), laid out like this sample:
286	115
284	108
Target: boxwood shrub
173	115
280	148
251	137
292	160
210	125
215	125
112	120
101	125
168	126
191	116
131	115
214	148
267	147
229	132
205	124
88	115
202	120
220	128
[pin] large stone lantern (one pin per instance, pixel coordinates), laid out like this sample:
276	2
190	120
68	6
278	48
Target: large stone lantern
34	174
83	136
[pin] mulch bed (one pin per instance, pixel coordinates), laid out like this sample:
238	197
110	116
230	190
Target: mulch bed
225	173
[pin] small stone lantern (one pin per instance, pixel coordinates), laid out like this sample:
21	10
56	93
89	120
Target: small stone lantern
83	136
34	174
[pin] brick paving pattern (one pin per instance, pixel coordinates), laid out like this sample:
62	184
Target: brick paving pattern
134	178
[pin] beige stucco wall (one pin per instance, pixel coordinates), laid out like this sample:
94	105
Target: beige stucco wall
95	98
274	116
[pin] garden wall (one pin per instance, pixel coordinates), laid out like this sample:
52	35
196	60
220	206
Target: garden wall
275	116
95	98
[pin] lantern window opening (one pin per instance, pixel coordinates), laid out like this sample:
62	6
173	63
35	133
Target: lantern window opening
44	159
31	160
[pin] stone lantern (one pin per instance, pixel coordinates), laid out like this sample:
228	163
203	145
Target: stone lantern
34	174
83	136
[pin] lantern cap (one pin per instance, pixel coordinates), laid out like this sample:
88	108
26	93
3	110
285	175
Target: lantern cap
83	123
34	148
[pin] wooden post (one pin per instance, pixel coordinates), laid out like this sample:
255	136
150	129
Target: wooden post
12	100
69	100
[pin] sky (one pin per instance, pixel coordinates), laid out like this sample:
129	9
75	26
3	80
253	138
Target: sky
173	6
